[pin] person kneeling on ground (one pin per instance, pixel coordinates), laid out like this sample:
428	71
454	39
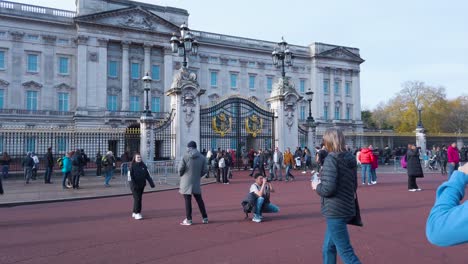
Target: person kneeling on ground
262	189
447	224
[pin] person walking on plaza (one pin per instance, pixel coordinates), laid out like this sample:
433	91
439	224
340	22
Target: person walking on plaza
337	187
28	164
288	162
191	168
108	161
414	168
35	166
366	159
77	164
5	162
262	189
139	175
447	224
98	163
443	159
66	169
49	166
453	158
278	164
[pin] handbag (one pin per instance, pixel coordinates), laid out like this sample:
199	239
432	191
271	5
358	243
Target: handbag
356	220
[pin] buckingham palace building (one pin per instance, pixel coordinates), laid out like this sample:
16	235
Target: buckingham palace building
63	72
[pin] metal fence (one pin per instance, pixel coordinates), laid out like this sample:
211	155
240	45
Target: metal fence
162	172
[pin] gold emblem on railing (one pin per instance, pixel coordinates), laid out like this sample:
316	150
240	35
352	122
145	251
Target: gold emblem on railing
253	125
221	124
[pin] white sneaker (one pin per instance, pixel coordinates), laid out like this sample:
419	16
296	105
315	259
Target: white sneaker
374	182
133	215
412	190
257	220
304	172
186	222
138	216
418	189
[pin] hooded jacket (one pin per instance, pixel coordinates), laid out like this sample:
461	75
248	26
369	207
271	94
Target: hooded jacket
191	168
366	156
338	185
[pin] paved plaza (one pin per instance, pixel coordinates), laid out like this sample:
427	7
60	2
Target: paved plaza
102	230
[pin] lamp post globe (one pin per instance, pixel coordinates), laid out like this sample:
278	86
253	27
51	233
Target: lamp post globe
420	124
183	44
310	119
282	56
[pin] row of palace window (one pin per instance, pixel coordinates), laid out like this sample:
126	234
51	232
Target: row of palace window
135	105
33	62
135	71
32	100
336	87
252	82
30	143
337	116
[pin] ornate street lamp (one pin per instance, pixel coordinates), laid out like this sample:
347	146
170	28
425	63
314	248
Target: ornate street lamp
147	87
184	43
282	56
310	119
420	124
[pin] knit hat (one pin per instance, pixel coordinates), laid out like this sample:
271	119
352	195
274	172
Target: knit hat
192	144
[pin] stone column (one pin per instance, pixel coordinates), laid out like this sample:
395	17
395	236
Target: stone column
101	86
284	101
82	73
311	138
168	72
147	63
125	77
185	95
147	144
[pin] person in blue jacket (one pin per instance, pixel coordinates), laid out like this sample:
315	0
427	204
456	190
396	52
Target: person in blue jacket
66	169
447	224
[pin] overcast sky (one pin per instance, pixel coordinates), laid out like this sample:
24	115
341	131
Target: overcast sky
400	40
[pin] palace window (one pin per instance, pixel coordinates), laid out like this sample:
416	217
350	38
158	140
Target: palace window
269	84
155	73
63	102
348	112
112	69
233	80
252	82
337	112
112	103
325	112
302	112
214	79
337	87
135	71
156	104
33	61
2	98
135	103
30	144
326	86
2	60
31	100
348	88
302	86
63	65
61	144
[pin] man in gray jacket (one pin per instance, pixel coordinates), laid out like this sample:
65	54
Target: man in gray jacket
191	168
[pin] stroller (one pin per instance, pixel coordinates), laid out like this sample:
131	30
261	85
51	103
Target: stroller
433	162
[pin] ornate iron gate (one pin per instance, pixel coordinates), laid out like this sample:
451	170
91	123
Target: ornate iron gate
303	139
236	123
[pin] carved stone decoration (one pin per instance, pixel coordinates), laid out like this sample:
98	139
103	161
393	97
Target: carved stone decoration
93	56
290	108
81	40
32	84
188	105
63	86
102	42
49	39
136	21
17	35
184	77
4	83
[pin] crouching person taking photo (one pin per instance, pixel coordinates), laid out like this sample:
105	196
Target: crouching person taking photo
139	175
262	189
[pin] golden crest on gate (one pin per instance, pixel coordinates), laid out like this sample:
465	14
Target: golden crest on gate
221	124
253	125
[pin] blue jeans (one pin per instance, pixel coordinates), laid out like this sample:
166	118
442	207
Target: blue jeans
288	171
64	178
374	175
337	240
451	168
48	174
5	171
366	169
109	174
270	208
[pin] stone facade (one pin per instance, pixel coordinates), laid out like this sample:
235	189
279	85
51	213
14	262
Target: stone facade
84	69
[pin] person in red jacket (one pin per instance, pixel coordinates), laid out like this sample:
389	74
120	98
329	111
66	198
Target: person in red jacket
374	164
453	158
366	159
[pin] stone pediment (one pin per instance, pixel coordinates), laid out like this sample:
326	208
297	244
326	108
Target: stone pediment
132	18
32	84
340	53
4	83
63	86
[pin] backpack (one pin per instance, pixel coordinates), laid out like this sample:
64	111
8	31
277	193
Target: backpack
221	163
60	162
104	160
403	162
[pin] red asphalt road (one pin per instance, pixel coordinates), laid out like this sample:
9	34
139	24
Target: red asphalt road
102	230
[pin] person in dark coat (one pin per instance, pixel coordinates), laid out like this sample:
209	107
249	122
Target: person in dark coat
98	163
414	168
28	164
139	175
77	165
337	188
49	166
